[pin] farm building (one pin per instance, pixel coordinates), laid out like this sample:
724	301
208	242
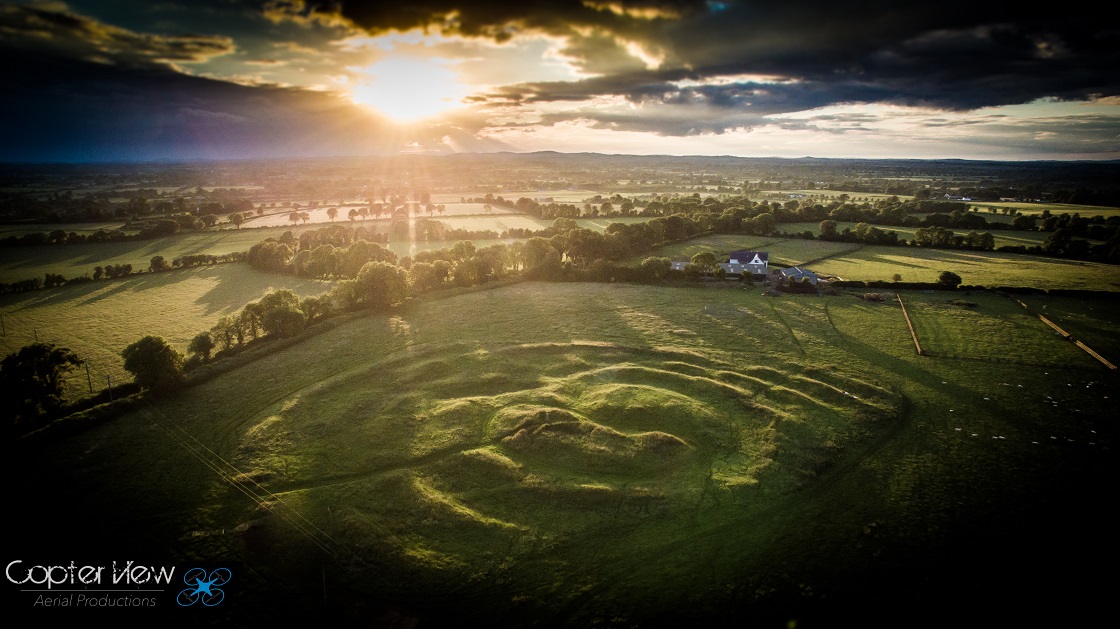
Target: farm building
755	262
796	275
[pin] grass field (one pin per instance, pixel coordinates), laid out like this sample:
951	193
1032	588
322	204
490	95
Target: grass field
1002	237
20	263
99	319
615	455
975	268
1086	211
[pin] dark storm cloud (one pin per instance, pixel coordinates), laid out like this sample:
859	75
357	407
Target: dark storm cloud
77	79
77	89
41	30
72	110
952	55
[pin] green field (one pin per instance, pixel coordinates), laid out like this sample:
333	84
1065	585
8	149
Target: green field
1034	209
1002	237
21	263
81	228
976	268
99	319
617	455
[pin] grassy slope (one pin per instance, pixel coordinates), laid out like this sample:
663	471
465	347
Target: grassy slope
401	438
20	263
99	319
1002	237
974	267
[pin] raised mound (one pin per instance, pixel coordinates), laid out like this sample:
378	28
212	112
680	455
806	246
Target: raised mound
551	438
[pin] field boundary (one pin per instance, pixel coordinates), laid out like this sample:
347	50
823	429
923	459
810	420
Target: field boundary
909	324
832	255
1069	337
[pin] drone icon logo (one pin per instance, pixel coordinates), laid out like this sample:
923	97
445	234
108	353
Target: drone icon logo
205	589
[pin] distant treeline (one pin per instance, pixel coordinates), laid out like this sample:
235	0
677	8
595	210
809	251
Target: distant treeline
329	252
65	207
114	271
132	230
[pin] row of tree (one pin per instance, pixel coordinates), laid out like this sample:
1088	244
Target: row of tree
130	231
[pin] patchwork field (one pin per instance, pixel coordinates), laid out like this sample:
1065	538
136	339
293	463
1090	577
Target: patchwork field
599	454
21	263
976	268
1002	237
99	319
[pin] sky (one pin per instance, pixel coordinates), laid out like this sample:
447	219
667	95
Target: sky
127	80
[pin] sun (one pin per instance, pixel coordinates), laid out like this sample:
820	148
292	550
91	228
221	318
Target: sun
408	90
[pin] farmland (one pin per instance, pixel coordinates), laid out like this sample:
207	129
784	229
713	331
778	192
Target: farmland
521	468
99	319
527	453
976	268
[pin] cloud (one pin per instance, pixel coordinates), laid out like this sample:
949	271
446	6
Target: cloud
51	29
952	55
304	13
75	110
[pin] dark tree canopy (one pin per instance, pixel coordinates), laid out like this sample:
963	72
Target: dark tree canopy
153	363
31	380
949	279
201	345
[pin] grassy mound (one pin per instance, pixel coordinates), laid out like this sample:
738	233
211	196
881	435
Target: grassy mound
586	453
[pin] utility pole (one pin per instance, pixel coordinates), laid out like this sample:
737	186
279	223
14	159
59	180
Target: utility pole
89	380
107	379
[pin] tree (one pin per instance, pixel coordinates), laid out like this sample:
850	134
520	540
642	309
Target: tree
656	268
153	363
378	285
704	262
761	224
158	263
237	218
332	213
897	277
31	381
201	345
280	313
948	279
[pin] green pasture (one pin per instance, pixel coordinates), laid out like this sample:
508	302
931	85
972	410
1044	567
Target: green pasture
20	263
976	268
1086	211
99	319
1002	237
716	244
789	252
832	194
618	455
1095	323
959	326
81	228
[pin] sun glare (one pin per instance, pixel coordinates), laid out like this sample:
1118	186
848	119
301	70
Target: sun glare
409	89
